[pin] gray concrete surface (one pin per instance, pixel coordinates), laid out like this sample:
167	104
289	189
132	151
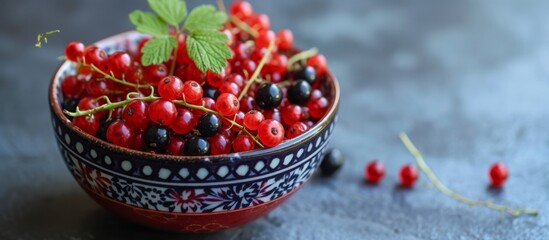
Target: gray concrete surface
468	80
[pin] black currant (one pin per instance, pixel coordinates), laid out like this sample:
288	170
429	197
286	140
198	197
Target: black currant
70	105
210	92
268	96
299	92
208	125
307	73
104	124
333	160
197	146
156	137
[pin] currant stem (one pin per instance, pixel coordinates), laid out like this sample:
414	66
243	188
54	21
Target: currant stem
221	6
110	106
257	71
202	108
441	187
113	78
243	26
301	56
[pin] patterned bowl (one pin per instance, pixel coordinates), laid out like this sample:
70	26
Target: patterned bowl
187	194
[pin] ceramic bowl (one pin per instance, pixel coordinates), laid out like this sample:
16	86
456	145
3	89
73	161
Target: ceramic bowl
187	194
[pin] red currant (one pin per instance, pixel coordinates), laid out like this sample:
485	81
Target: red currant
318	107
408	175
170	88
74	51
153	73
192	91
215	79
182	55
230	87
374	171
241	51
284	39
237	79
243	143
119	133
241	9
135	114
296	129
318	62
97	88
278	64
176	146
162	112
138	140
88	124
227	104
273	114
247	103
220	144
291	114
71	87
119	63
264	39
185	121
252	119
97	57
498	174
259	22
134	73
270	133
87	103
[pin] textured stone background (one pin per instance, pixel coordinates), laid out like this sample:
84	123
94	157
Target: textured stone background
468	80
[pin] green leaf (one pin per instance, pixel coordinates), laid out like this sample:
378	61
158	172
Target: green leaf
205	17
148	23
208	50
172	11
157	50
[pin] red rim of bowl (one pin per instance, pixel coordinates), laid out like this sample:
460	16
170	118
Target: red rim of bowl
318	127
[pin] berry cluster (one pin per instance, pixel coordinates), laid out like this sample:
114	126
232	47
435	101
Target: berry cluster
266	93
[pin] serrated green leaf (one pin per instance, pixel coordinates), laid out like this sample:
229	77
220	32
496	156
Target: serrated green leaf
172	11
205	17
157	50
208	50
148	23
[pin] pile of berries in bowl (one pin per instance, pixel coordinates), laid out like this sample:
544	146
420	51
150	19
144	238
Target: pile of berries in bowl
181	145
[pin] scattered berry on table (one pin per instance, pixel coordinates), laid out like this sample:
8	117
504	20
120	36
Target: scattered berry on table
408	175
498	174
374	171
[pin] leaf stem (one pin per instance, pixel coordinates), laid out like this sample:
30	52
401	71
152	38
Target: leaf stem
174	60
243	26
113	78
257	71
442	188
301	56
